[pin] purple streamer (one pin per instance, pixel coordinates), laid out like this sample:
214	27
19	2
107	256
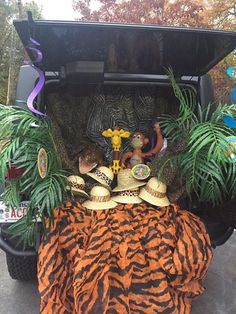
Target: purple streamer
35	92
33	44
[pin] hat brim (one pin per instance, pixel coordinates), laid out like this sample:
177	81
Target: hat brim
99	205
147	197
96	178
121	188
77	191
127	199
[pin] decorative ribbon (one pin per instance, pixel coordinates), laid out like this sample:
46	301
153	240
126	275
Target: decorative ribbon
154	192
77	186
231	71
32	45
103	176
129	193
100	199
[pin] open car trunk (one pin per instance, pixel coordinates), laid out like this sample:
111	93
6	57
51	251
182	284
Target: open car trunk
125	49
80	114
109	75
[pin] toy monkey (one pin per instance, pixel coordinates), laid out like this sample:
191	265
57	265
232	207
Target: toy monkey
137	142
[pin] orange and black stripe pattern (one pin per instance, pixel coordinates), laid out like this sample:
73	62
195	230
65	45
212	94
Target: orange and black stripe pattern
56	255
130	259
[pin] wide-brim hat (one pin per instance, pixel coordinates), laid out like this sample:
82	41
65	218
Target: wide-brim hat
126	181
127	197
103	175
154	193
76	185
100	198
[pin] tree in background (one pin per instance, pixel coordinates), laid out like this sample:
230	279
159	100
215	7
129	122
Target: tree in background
220	14
6	12
11	50
162	12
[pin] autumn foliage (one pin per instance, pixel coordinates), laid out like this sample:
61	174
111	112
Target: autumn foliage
183	12
219	14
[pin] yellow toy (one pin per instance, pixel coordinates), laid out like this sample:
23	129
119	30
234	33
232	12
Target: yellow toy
116	136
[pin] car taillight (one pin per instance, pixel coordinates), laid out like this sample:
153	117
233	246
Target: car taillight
14	172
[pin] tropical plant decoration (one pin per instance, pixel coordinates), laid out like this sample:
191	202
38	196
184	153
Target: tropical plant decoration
22	134
205	165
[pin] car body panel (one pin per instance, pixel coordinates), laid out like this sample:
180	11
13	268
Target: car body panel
123	48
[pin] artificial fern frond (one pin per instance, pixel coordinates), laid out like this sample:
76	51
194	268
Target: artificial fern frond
205	166
204	178
187	100
27	134
230	175
49	193
11	194
170	127
223	110
177	127
25	229
212	136
9	153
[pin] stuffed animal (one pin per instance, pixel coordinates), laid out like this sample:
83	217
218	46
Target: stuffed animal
138	141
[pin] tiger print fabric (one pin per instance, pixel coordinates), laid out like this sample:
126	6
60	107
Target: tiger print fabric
57	251
130	259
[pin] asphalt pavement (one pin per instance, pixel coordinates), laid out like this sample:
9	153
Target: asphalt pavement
219	297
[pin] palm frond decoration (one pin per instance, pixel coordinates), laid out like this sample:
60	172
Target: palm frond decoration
26	229
203	177
205	166
210	137
11	194
177	126
24	134
223	110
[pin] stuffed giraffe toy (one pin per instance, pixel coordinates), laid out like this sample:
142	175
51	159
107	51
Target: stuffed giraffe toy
116	134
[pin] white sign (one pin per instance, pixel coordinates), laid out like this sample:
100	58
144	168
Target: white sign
12	215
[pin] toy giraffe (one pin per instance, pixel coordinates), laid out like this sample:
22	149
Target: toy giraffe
116	136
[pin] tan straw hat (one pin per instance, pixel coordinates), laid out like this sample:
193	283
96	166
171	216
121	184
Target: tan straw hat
76	185
103	175
155	193
126	181
128	197
100	198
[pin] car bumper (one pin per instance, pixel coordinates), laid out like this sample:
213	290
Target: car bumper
9	246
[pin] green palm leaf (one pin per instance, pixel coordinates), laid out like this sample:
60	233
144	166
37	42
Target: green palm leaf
205	166
26	134
25	229
11	194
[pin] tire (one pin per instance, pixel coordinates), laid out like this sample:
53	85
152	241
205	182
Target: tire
22	268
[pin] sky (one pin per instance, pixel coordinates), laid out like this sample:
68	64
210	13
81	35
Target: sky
58	9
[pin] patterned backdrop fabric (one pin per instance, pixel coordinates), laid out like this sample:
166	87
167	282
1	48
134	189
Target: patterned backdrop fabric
80	114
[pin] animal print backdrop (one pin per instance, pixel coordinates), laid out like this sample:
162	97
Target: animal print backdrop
80	114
